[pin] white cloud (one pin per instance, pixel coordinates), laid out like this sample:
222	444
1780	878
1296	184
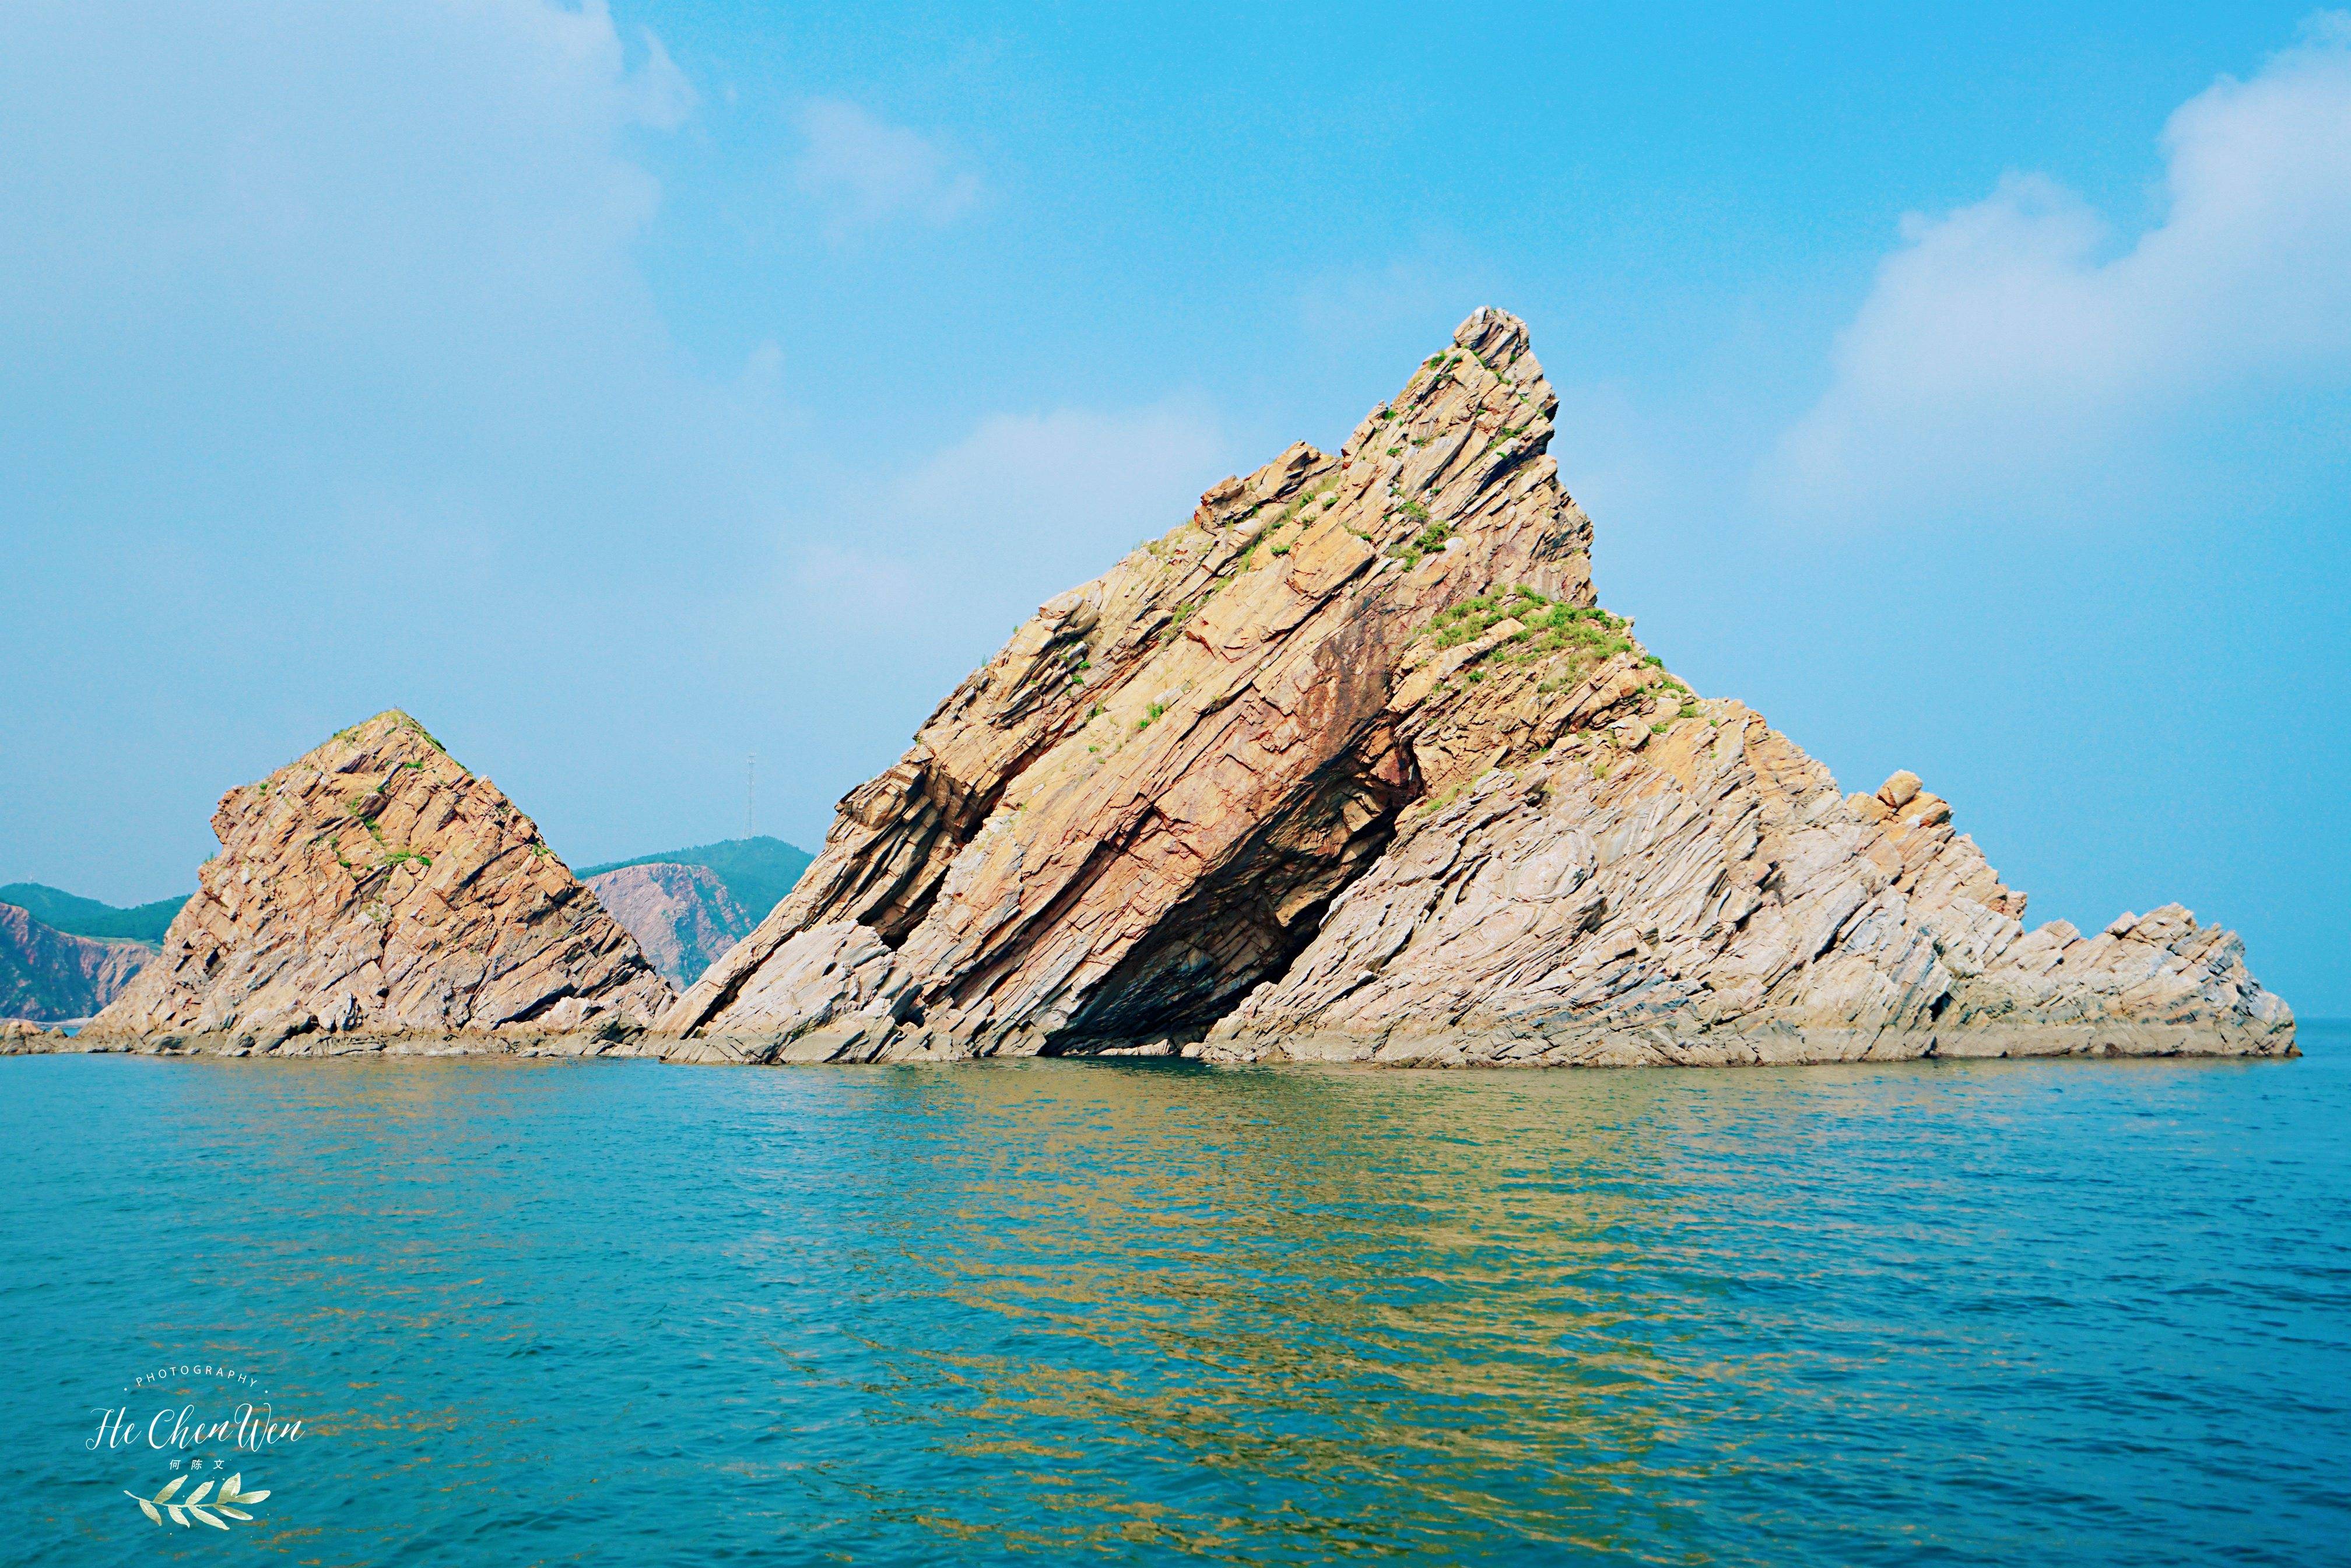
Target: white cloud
356	156
896	587
1075	480
2015	334
329	378
964	544
864	172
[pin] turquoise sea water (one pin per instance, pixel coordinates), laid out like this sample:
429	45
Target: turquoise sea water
622	1312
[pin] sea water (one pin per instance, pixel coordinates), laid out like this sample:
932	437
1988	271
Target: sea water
624	1312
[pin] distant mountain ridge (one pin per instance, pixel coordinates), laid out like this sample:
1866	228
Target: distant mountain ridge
757	871
682	916
78	916
51	976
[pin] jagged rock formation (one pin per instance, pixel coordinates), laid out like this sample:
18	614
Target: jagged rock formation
49	976
375	889
19	1038
682	916
1352	764
1701	894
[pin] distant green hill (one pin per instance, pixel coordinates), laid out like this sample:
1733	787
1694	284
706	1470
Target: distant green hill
78	916
757	871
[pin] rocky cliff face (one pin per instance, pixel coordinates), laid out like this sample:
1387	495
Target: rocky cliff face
375	887
1690	888
1351	764
49	976
682	916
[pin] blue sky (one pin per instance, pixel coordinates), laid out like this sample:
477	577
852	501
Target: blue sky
624	390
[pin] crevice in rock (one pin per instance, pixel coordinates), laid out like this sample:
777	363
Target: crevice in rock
539	1008
1247	923
954	814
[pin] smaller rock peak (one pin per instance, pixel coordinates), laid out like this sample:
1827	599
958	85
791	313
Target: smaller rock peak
375	884
389	722
1492	334
392	738
392	725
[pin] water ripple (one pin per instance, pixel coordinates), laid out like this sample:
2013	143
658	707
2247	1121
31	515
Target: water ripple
2094	1312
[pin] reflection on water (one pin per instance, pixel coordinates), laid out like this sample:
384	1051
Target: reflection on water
623	1312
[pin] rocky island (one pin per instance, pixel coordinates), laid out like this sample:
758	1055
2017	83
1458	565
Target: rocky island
374	891
1351	765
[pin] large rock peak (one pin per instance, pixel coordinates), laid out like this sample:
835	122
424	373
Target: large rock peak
1353	757
1137	809
374	886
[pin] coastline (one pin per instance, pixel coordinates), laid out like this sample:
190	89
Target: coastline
1467	1050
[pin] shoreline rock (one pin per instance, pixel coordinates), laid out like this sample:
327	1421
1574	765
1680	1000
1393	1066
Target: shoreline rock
1448	1051
312	1046
1715	900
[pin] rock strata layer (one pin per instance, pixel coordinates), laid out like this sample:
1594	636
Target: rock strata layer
1352	764
1711	899
374	889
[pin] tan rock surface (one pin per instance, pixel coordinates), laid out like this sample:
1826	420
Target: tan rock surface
1135	812
1351	764
374	889
1715	901
19	1036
